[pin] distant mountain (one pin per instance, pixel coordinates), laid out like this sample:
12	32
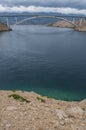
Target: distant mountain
40	13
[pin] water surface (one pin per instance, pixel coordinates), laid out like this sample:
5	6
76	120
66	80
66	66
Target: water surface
47	60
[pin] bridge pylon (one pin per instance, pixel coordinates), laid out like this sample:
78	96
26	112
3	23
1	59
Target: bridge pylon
73	20
81	21
16	20
7	21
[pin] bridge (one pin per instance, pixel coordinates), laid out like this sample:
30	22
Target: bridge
21	18
37	17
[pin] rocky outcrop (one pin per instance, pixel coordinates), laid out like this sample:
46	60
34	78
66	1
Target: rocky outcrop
4	27
40	113
81	26
62	24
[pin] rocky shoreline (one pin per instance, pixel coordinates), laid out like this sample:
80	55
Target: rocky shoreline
63	24
4	27
31	111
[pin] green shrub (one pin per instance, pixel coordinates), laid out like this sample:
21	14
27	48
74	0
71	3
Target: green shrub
40	99
18	97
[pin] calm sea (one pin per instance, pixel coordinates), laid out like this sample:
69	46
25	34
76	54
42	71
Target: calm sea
50	61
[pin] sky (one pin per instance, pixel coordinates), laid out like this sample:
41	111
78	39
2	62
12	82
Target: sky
56	6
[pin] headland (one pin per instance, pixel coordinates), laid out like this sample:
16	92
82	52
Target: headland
4	27
81	26
31	111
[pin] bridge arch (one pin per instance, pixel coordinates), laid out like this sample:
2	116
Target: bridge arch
36	17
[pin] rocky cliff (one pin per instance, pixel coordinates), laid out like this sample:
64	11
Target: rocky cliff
4	27
64	24
30	111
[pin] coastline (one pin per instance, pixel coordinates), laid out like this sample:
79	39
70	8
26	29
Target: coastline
4	27
40	112
81	27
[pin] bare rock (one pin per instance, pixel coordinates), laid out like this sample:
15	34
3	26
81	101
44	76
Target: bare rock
76	112
11	108
49	115
61	114
4	27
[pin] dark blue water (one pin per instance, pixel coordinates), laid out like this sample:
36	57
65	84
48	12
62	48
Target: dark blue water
47	60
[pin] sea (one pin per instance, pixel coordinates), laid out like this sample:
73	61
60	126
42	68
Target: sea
48	60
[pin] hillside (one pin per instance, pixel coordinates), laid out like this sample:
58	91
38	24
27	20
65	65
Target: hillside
4	27
80	26
30	111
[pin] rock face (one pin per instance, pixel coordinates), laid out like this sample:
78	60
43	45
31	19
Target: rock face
81	27
41	113
4	27
64	24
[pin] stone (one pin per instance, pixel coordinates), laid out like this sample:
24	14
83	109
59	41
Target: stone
61	114
10	108
75	112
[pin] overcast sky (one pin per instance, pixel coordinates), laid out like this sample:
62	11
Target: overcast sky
63	6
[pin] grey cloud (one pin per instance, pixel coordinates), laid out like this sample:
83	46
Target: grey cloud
52	3
36	9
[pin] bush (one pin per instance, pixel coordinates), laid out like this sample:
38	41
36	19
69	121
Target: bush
18	97
41	100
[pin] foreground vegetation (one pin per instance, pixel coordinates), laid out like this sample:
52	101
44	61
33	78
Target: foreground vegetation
19	98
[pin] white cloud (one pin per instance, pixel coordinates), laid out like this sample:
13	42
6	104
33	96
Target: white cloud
21	9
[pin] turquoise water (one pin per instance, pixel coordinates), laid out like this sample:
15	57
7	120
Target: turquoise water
50	61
